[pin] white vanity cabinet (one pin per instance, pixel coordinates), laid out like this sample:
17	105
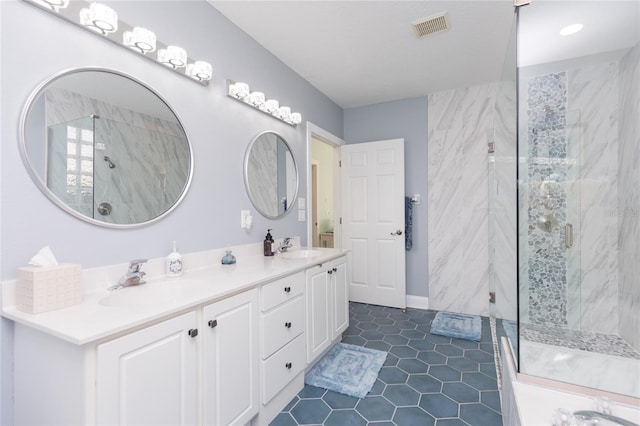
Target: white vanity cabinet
340	296
327	305
231	347
149	376
230	360
282	344
200	367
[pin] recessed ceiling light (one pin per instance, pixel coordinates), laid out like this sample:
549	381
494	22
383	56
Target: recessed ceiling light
571	29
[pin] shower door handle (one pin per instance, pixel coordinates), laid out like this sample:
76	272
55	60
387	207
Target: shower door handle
568	235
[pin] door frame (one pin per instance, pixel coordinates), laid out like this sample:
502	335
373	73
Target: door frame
314	131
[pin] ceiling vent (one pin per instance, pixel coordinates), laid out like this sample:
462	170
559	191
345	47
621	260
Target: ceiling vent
431	25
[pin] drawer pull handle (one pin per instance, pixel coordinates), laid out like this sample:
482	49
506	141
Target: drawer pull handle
287	289
287	324
288	365
193	332
213	323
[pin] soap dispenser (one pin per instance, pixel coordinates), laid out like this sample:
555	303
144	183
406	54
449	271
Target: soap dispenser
268	244
174	263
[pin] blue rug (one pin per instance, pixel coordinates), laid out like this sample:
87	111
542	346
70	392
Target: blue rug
347	369
460	326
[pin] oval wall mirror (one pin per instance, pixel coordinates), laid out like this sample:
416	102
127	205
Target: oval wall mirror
106	148
270	175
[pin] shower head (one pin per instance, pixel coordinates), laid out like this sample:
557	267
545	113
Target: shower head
108	160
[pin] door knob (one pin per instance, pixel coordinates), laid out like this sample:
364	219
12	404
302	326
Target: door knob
398	232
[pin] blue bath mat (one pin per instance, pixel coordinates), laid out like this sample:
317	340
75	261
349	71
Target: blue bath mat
460	326
347	369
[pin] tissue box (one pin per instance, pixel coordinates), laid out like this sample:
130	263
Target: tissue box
45	288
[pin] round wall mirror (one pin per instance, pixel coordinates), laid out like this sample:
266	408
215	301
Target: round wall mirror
106	148
270	175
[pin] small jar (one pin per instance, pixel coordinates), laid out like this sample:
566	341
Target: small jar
228	259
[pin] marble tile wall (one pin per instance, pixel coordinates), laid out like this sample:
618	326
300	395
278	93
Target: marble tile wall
263	174
460	122
570	134
150	174
593	91
628	212
504	206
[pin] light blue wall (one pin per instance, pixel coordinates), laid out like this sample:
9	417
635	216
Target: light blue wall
406	119
36	45
219	129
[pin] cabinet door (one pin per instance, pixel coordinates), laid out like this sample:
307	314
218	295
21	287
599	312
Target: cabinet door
231	360
149	377
319	301
340	296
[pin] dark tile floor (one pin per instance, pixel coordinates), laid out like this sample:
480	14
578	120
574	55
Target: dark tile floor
426	379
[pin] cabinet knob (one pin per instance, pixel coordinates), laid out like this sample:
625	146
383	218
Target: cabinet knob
287	289
287	324
330	271
288	365
213	323
193	332
335	269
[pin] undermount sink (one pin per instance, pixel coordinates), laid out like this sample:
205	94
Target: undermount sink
301	254
148	295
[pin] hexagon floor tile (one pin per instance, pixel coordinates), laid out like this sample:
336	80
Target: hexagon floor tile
427	379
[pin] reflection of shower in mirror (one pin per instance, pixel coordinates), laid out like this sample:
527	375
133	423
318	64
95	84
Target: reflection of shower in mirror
108	160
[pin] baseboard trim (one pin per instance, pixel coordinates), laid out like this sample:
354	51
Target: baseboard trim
417	302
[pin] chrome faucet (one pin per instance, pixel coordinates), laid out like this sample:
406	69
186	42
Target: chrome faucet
133	276
284	245
596	416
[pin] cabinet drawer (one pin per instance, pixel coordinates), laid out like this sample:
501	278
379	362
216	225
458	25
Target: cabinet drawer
281	290
281	368
281	325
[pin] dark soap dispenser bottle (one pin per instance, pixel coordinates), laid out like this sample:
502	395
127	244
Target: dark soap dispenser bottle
268	244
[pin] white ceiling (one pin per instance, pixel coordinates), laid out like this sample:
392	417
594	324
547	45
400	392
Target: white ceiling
360	52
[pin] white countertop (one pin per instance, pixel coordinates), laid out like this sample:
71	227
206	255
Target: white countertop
104	313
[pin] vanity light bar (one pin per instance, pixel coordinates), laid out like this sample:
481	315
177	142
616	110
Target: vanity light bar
241	92
104	21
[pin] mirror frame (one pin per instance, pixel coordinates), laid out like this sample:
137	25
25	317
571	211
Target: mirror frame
246	175
38	91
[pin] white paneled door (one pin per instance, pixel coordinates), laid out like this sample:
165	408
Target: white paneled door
373	221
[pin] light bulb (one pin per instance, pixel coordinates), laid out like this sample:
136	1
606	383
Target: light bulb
140	39
100	18
173	56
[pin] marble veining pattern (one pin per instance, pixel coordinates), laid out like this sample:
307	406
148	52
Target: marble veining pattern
606	372
459	122
504	209
628	211
149	175
572	171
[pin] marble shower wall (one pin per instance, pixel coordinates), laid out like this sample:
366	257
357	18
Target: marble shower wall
569	132
503	204
628	212
149	175
460	124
